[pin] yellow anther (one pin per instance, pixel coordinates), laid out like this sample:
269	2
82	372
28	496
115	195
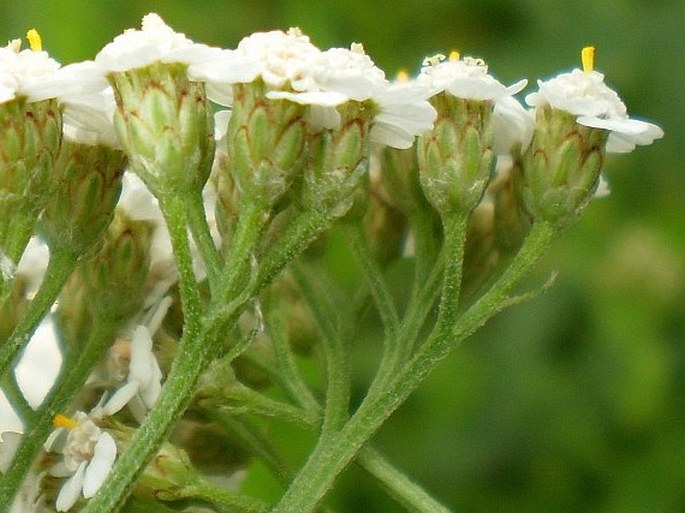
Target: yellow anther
454	55
64	421
402	76
587	57
34	40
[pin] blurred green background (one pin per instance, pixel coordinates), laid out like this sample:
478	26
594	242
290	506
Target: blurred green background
575	401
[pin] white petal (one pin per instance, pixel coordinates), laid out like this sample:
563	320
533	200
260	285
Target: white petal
121	398
98	469
8	448
320	98
71	489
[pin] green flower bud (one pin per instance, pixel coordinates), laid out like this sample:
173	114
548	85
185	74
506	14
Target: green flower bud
455	158
169	472
512	223
30	135
266	141
227	200
385	226
559	172
164	122
87	183
337	163
115	276
399	178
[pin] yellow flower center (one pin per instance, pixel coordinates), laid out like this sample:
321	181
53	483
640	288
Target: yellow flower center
64	421
454	55
587	57
34	40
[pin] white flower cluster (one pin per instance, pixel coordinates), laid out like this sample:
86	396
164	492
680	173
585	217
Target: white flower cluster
293	69
88	454
584	94
21	71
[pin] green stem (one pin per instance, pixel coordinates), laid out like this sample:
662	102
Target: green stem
455	237
319	474
173	209
398	485
449	266
248	231
68	385
337	366
252	440
194	348
288	376
240	399
59	268
422	225
197	221
303	229
376	282
223	500
16	398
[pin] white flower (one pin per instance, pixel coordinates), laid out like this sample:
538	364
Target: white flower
585	95
144	381
466	78
156	42
284	61
404	113
512	125
88	104
88	454
294	69
134	361
26	72
343	75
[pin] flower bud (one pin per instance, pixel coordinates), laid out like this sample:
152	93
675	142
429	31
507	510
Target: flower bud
385	226
265	143
559	172
30	135
456	157
399	179
164	122
86	184
115	276
480	253
511	223
338	160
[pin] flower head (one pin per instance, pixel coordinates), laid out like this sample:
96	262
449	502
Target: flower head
26	72
155	42
88	454
466	78
584	94
282	60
